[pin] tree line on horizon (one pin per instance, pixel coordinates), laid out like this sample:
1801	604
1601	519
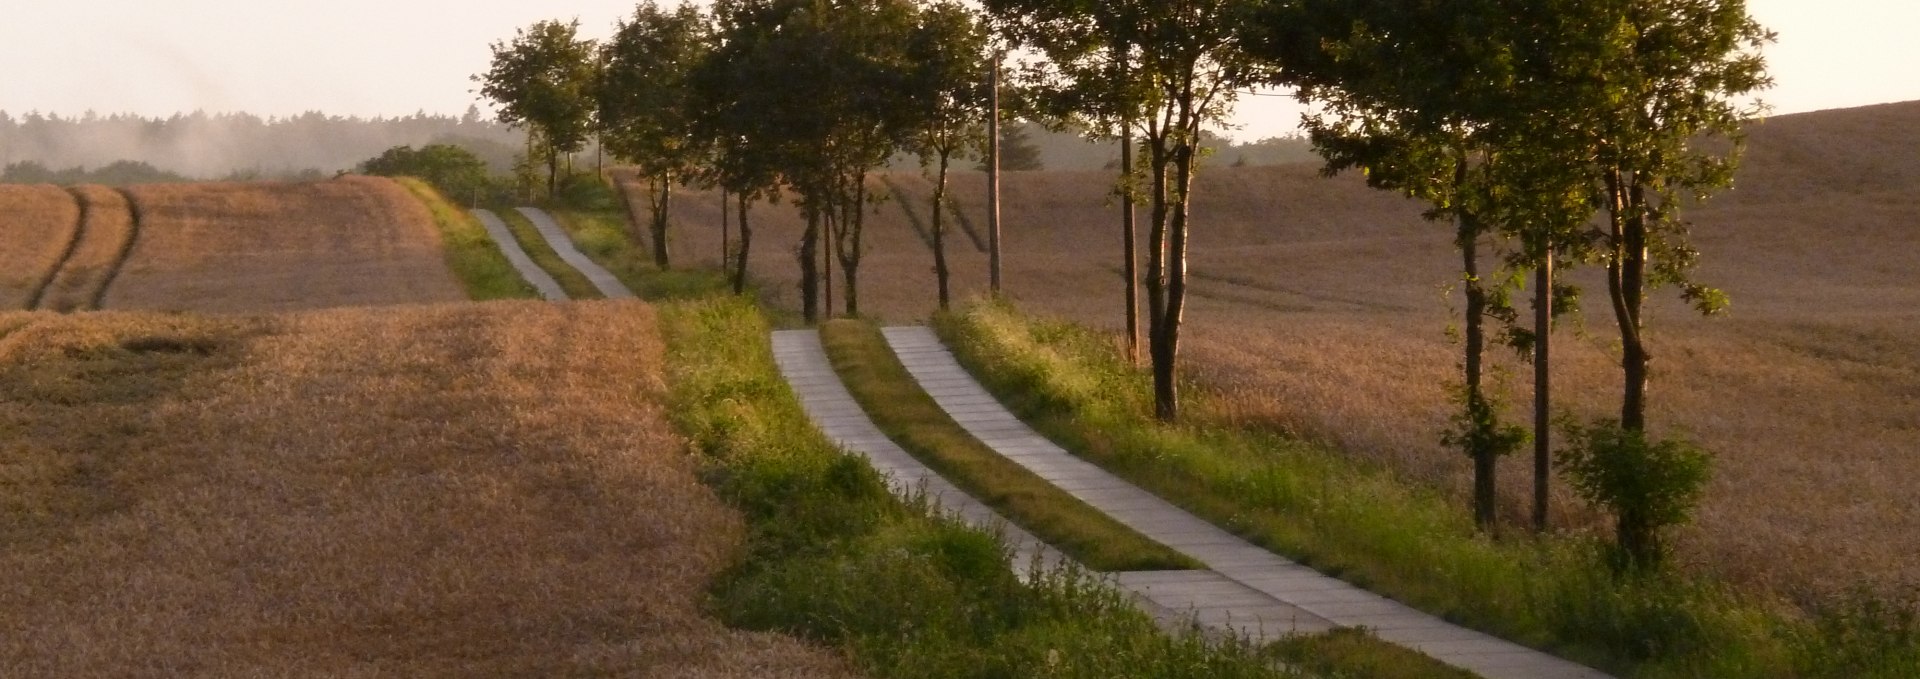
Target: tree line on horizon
113	148
1550	133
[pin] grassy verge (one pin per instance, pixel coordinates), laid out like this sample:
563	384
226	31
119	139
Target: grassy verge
474	257
604	236
833	557
1361	523
574	283
911	418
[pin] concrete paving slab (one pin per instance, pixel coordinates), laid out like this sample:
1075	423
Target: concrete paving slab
1246	576
603	280
542	281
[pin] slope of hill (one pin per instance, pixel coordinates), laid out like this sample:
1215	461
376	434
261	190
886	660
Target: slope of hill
37	224
275	246
444	491
1321	306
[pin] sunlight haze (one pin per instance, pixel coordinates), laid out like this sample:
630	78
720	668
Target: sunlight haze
384	58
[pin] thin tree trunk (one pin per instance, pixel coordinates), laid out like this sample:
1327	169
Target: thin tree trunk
1157	272
1129	244
852	222
1165	387
993	177
662	207
726	247
746	247
1542	382
940	271
809	267
553	170
1467	239
833	247
1625	271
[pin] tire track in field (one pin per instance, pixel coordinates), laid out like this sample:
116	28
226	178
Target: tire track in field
105	225
73	244
126	249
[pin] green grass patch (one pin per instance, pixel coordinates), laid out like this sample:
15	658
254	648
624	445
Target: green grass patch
833	557
1361	523
474	258
574	283
1350	652
914	420
605	237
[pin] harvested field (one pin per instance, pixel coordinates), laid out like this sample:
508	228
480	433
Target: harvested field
1321	307
258	247
104	238
37	225
447	491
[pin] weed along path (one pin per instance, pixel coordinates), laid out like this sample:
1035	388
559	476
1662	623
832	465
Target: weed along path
1246	581
541	280
563	246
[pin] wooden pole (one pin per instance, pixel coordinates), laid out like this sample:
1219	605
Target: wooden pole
1542	382
993	175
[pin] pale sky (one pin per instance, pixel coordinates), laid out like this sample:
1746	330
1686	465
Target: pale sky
395	57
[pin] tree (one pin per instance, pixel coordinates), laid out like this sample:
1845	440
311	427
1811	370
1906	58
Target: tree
732	93
1177	67
948	51
543	79
648	106
1017	151
457	172
1413	94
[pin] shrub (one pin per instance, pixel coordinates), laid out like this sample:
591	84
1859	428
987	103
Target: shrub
1646	485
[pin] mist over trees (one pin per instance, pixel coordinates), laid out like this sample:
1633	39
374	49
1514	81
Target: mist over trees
203	145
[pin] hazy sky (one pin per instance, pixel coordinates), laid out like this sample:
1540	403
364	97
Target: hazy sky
394	57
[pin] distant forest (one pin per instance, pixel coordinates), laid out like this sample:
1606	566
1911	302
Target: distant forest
199	145
127	149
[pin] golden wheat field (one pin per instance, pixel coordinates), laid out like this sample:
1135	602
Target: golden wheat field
434	491
1321	306
97	251
37	223
268	246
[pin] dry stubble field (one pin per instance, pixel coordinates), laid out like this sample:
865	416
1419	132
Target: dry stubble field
461	490
1319	306
36	224
270	246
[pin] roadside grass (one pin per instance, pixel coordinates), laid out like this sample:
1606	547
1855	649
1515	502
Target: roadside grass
1359	522
1350	652
605	237
475	259
832	556
574	283
910	417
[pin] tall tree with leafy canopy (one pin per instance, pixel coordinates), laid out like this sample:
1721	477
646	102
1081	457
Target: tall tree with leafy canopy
1183	65
1658	92
544	79
733	95
948	52
648	106
1413	94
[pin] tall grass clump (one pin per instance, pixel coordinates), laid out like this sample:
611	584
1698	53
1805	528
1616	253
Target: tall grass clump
833	557
473	256
1363	524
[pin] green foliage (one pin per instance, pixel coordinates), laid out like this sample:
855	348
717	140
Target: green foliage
1862	636
544	79
832	557
452	170
1477	429
1648	486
